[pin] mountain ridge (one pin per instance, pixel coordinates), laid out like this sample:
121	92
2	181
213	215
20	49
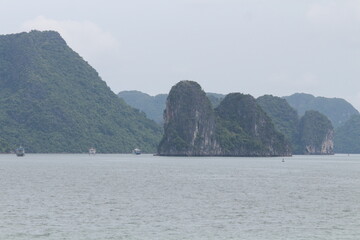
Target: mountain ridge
338	110
346	108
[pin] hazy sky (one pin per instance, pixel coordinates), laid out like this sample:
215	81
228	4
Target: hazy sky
251	46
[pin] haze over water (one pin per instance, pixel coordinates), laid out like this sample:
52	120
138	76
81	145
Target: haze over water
112	196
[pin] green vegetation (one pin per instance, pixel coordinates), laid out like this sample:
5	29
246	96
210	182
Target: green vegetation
53	101
347	136
4	147
336	109
283	116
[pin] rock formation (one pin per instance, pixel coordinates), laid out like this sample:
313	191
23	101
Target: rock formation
189	122
237	127
316	134
244	129
284	118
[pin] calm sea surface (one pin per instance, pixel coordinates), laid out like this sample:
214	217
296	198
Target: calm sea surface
148	197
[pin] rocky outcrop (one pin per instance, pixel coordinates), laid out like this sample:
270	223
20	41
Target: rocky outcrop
189	123
316	134
237	127
327	146
244	129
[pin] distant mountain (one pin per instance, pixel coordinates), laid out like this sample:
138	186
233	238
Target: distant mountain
336	109
53	101
154	106
215	98
347	136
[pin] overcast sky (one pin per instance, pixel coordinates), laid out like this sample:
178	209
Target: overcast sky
257	47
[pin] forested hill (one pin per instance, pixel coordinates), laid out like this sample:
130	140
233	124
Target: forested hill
53	101
337	110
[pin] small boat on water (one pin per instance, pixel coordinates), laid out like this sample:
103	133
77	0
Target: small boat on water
20	151
92	151
137	151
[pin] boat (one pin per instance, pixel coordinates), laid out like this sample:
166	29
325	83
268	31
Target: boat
92	151
137	151
20	151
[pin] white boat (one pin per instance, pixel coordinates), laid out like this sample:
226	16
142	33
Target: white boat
137	151
20	151
92	151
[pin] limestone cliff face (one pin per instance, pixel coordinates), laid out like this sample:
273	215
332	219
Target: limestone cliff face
244	129
327	146
316	134
237	127
189	123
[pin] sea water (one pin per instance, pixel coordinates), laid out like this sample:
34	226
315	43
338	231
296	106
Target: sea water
108	196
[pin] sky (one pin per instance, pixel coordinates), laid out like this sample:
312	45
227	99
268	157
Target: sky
256	47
